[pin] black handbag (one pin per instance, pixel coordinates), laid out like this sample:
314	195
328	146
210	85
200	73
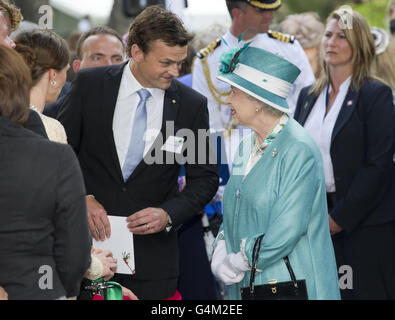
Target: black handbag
289	290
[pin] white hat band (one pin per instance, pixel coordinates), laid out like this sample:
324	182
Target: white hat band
272	84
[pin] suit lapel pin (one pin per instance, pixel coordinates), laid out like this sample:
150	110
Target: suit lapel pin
350	103
274	153
174	101
305	105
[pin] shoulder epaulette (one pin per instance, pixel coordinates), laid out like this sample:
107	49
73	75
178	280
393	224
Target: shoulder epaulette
281	36
210	48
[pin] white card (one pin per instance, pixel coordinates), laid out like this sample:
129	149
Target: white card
173	144
120	244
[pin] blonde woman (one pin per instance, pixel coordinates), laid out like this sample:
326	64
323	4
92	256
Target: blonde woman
350	116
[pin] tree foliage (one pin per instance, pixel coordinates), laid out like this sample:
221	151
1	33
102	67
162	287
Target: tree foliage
373	10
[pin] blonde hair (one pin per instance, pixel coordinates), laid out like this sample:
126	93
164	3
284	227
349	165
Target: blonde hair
306	27
12	13
362	46
384	65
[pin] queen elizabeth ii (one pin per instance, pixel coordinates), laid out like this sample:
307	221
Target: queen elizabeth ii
277	186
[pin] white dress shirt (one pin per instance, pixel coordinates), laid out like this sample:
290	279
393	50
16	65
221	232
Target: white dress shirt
321	127
125	109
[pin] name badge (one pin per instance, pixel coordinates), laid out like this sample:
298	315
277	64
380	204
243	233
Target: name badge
173	144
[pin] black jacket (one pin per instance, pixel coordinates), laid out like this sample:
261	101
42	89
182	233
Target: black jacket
362	149
44	235
35	124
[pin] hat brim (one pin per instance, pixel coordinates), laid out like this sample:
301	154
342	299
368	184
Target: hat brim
261	94
265	6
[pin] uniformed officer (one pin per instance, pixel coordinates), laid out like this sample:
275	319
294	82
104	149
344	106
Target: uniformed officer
251	17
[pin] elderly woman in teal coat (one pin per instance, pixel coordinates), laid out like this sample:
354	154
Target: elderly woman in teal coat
277	186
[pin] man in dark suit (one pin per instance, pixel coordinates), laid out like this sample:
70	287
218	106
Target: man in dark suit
106	115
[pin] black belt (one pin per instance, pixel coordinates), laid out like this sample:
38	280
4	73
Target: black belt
331	199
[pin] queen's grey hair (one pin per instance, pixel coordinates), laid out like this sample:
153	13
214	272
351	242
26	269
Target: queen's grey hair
270	110
266	108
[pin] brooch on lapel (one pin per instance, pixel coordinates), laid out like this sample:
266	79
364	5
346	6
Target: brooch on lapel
305	105
174	101
274	153
350	103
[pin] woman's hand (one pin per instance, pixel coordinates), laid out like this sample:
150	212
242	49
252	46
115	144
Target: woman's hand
229	268
108	261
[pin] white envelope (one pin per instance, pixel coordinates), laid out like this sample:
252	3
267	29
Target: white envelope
120	244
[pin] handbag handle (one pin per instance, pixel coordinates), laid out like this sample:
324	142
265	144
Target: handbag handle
255	256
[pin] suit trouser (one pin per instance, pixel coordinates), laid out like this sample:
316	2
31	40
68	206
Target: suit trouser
148	289
370	252
195	281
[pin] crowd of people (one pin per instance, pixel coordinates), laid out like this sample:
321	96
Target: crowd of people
304	118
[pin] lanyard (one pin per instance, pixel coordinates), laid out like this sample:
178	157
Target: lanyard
327	99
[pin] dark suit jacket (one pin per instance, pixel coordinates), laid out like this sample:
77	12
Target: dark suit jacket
35	124
42	216
52	109
87	115
362	149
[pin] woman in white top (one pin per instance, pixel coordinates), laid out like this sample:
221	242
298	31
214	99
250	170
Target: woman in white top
350	115
47	56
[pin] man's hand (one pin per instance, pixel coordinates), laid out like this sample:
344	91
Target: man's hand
147	221
333	226
99	224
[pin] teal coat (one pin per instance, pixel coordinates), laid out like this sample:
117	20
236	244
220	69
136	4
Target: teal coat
283	197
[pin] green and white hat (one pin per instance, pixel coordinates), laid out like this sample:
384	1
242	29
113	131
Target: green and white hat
259	73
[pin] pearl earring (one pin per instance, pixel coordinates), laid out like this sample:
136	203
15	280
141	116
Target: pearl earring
53	83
